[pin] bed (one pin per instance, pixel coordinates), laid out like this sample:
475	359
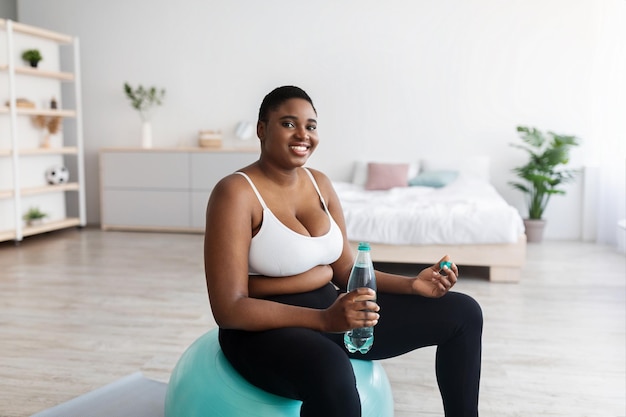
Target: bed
416	212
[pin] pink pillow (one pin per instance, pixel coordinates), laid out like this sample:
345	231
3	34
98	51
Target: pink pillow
383	176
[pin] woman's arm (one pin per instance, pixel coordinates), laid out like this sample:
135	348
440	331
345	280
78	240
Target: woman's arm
429	282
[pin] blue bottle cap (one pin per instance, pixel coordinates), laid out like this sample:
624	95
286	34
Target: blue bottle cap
364	246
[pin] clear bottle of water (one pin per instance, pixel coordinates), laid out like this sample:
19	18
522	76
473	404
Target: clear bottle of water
362	275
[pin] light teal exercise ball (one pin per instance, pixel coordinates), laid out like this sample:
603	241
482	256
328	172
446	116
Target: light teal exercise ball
204	384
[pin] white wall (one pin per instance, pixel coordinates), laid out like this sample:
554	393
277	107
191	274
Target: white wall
398	79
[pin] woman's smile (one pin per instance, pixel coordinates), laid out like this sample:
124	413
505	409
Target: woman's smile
300	150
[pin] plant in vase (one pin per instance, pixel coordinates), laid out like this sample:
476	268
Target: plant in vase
144	100
34	216
542	174
32	56
50	124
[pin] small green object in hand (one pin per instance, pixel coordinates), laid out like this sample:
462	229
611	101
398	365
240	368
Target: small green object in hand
443	264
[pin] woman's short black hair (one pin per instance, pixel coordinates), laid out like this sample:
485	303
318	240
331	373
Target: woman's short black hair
278	96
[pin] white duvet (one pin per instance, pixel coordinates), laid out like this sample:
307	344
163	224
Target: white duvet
467	211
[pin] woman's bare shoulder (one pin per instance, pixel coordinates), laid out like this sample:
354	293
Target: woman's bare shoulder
231	209
232	188
320	177
322	180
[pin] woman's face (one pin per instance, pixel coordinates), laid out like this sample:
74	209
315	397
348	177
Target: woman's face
289	136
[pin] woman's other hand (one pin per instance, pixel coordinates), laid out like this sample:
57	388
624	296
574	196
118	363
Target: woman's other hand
434	281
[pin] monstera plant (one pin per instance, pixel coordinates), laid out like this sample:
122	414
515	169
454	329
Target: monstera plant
544	173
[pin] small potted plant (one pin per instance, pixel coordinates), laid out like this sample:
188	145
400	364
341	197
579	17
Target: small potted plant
32	56
542	175
34	216
144	100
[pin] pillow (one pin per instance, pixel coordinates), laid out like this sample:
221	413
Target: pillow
436	179
467	166
359	175
383	176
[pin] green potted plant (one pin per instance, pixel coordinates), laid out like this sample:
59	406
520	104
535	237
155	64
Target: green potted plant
144	100
32	56
543	174
34	216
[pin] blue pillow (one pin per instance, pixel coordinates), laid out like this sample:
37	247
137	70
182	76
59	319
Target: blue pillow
436	179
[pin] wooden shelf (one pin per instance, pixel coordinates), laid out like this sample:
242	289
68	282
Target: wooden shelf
38	32
63	76
67	150
40	112
50	226
185	149
40	228
7	235
70	186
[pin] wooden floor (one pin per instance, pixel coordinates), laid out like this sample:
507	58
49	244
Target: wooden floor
82	308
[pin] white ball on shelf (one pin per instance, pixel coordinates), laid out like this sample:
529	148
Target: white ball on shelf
57	175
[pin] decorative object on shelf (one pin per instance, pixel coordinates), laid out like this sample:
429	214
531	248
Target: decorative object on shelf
57	174
542	174
51	124
53	103
21	103
244	130
210	139
145	100
34	216
32	56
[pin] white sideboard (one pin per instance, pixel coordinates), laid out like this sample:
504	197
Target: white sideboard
162	189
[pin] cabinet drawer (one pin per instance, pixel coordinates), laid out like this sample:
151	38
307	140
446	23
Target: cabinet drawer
145	208
208	168
158	170
199	200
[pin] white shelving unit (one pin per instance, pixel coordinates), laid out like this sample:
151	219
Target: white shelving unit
23	159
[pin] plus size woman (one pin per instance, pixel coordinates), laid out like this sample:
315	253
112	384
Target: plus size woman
277	262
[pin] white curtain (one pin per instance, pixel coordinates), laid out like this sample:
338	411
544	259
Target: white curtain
610	121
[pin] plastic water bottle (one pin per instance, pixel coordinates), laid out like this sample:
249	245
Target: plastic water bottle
362	275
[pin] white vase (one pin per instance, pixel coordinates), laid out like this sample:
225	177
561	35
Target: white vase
534	230
146	134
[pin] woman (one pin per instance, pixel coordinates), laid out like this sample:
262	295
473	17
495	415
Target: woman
276	250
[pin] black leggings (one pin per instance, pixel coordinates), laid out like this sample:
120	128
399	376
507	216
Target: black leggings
314	367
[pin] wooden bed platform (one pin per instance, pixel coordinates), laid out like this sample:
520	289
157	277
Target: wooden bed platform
505	261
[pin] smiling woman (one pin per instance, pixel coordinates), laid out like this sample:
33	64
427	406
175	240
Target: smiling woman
277	262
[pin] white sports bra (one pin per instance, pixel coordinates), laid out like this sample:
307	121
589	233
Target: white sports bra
278	251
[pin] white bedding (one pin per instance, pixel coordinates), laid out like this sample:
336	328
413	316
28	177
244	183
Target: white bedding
467	211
